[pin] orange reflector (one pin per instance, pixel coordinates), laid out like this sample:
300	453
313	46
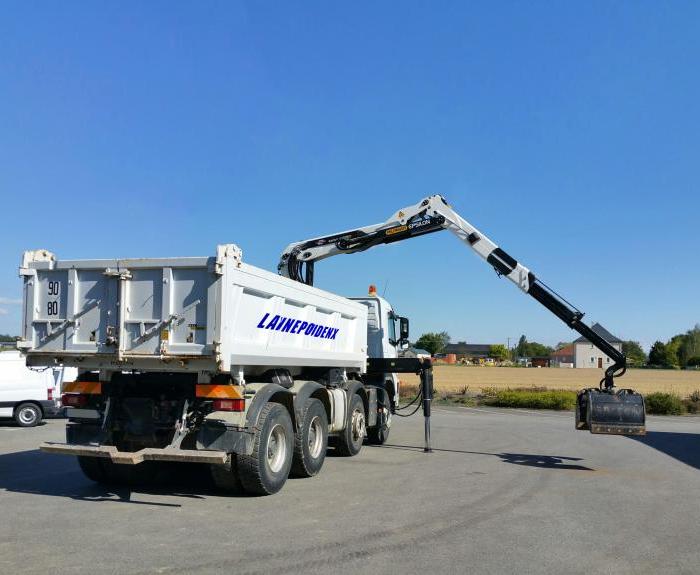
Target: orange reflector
219	392
88	387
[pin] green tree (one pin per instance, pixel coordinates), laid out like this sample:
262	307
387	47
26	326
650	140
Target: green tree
690	346
535	349
499	352
562	344
658	354
433	342
634	352
673	348
521	348
531	348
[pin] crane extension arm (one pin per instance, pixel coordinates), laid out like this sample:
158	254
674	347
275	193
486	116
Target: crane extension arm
431	215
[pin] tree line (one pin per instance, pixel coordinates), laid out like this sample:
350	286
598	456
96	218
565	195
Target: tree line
682	350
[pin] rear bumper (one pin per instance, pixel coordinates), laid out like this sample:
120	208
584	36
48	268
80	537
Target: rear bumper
134	458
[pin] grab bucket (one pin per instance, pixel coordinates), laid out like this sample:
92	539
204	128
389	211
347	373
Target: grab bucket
618	412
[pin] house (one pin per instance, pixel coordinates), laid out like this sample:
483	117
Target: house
588	355
563	357
464	350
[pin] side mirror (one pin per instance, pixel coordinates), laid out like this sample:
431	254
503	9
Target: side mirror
403	328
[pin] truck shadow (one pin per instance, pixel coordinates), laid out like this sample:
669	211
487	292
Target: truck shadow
38	473
685	447
526	459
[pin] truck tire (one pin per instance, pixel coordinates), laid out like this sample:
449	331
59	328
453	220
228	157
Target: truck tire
349	440
311	441
93	468
225	476
28	415
378	434
265	471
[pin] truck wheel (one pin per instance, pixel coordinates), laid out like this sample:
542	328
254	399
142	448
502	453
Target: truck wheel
350	439
380	433
93	468
311	441
225	476
28	415
265	471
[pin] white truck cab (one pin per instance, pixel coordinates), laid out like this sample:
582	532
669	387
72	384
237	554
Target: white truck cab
387	333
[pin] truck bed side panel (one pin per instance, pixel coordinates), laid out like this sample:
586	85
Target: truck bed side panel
207	313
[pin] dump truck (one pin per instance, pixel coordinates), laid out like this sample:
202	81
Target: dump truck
208	360
212	360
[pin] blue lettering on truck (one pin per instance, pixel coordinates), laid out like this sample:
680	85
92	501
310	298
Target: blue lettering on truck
297	326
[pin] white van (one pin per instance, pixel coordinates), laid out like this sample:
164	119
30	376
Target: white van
28	395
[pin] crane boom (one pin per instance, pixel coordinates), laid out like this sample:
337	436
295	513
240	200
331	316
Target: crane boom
435	214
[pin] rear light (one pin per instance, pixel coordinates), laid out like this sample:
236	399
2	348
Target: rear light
49	394
74	400
229	405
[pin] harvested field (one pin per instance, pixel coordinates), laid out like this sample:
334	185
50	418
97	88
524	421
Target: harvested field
449	378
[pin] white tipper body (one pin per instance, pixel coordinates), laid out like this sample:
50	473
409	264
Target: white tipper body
207	315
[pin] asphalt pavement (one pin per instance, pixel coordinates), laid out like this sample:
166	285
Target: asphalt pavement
504	492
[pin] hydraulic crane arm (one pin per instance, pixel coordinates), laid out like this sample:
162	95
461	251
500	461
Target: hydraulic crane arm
431	215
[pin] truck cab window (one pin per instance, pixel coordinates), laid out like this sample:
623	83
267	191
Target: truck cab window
391	326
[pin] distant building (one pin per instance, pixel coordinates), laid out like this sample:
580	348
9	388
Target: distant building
540	362
563	357
535	361
588	355
464	350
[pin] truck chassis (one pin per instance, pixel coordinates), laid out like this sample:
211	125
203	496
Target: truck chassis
286	428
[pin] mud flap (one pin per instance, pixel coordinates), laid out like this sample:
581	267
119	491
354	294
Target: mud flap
617	412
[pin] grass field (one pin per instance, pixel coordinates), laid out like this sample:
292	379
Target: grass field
453	378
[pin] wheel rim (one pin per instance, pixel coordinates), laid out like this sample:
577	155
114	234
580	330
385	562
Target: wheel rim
315	437
358	425
27	415
276	448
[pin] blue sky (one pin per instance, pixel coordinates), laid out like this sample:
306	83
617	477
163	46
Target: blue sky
567	132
